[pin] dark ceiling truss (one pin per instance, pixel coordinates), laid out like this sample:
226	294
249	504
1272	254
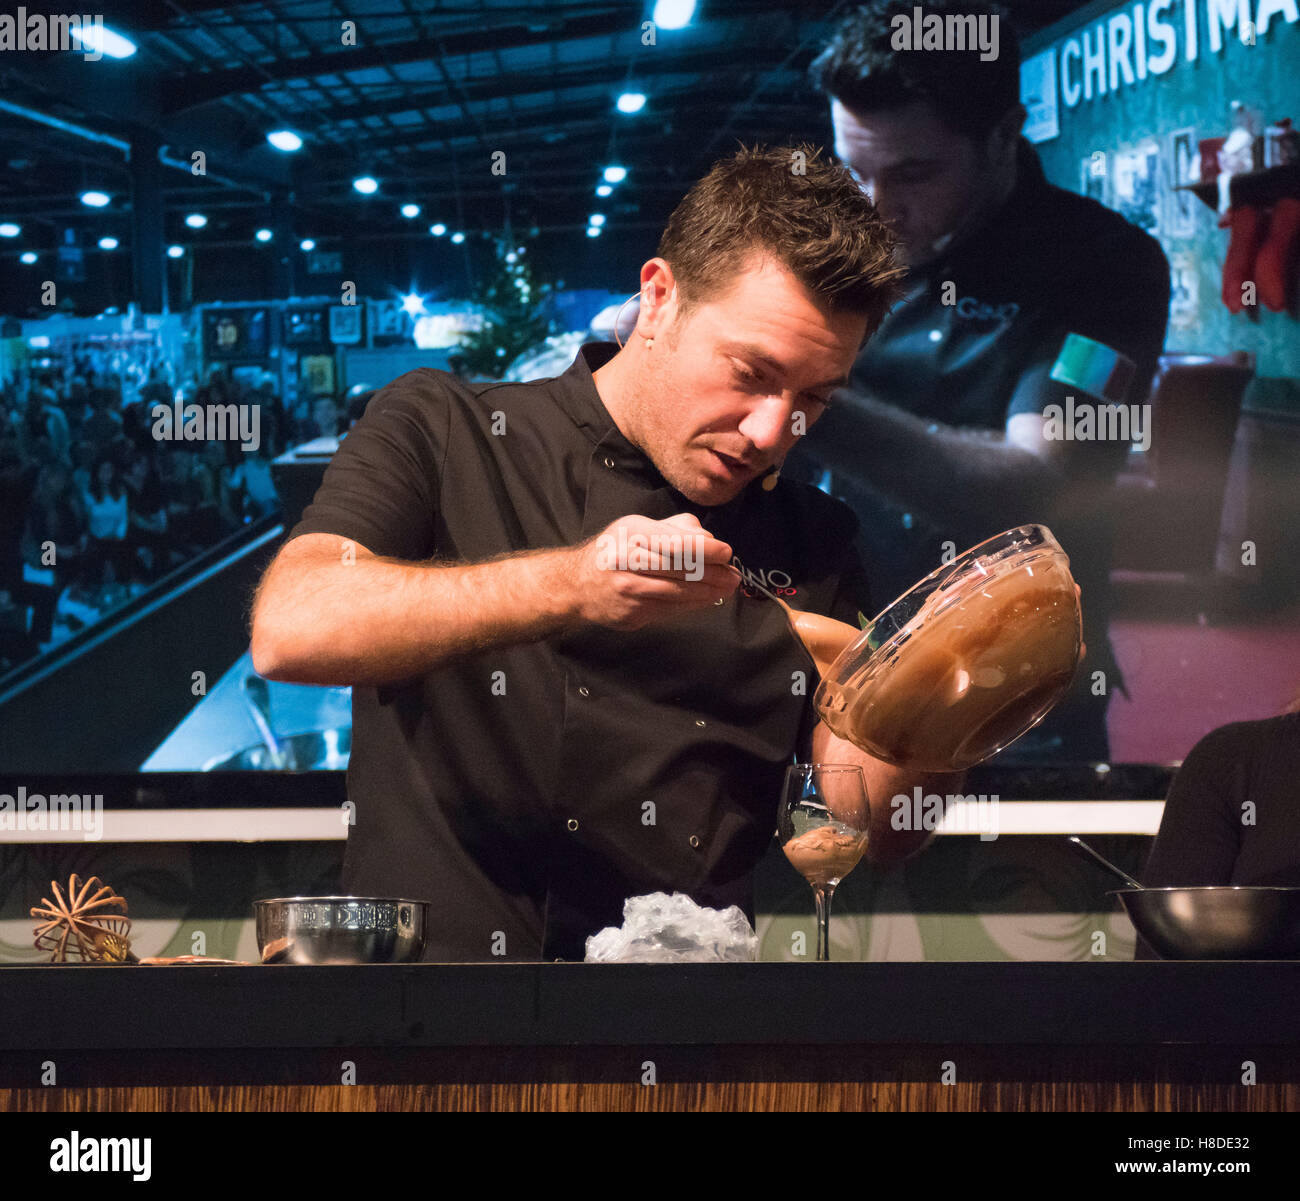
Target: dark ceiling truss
429	90
671	85
188	91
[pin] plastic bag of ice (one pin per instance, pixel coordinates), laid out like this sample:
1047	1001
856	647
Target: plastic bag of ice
660	928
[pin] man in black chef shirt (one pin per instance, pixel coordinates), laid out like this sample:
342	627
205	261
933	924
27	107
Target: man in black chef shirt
541	731
940	441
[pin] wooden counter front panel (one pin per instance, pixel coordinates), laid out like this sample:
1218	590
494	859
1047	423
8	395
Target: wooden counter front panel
1176	1078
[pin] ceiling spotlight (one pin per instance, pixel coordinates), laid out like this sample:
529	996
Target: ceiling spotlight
284	139
196	220
175	252
673	14
108	243
604	190
458	237
28	257
438	230
100	40
410	211
9	230
615	174
631	102
95	200
593	231
413	304
307	245
367	185
596	219
263	235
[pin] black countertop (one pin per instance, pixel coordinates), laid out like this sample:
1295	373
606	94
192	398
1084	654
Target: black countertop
97	1008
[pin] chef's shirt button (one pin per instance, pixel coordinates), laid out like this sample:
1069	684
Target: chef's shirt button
608	461
694	840
572	823
699	721
583	690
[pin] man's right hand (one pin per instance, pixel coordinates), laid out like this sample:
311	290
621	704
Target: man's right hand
330	611
638	571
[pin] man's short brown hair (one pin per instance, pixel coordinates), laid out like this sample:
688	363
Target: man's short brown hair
804	211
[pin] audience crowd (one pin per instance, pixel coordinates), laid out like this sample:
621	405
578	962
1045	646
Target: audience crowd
94	507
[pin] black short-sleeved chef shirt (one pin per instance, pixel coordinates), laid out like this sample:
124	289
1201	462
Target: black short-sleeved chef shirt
528	791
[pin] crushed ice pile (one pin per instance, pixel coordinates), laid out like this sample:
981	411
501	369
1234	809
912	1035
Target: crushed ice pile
673	929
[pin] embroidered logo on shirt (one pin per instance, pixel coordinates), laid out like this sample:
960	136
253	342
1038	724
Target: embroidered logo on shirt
773	579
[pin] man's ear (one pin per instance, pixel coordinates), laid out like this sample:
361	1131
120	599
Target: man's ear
658	300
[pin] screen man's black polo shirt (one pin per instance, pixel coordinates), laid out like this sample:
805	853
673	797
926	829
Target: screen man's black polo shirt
973	342
528	791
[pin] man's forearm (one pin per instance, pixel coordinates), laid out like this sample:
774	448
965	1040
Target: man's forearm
948	474
329	619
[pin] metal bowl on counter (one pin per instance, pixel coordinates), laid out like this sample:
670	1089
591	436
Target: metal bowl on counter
1216	921
340	930
1208	921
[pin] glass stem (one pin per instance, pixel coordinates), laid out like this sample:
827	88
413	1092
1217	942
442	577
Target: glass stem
823	893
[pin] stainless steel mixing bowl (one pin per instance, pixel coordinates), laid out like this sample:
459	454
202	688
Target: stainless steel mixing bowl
1216	922
340	930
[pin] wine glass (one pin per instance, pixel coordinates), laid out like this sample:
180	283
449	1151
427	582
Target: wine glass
823	825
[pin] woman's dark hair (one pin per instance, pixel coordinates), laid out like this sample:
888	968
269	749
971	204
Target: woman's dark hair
863	71
790	203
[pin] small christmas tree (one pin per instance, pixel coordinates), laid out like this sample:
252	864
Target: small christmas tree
511	300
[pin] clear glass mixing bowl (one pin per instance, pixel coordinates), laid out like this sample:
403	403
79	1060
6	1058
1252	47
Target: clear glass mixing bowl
964	662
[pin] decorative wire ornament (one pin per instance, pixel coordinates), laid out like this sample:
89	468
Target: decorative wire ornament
82	928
